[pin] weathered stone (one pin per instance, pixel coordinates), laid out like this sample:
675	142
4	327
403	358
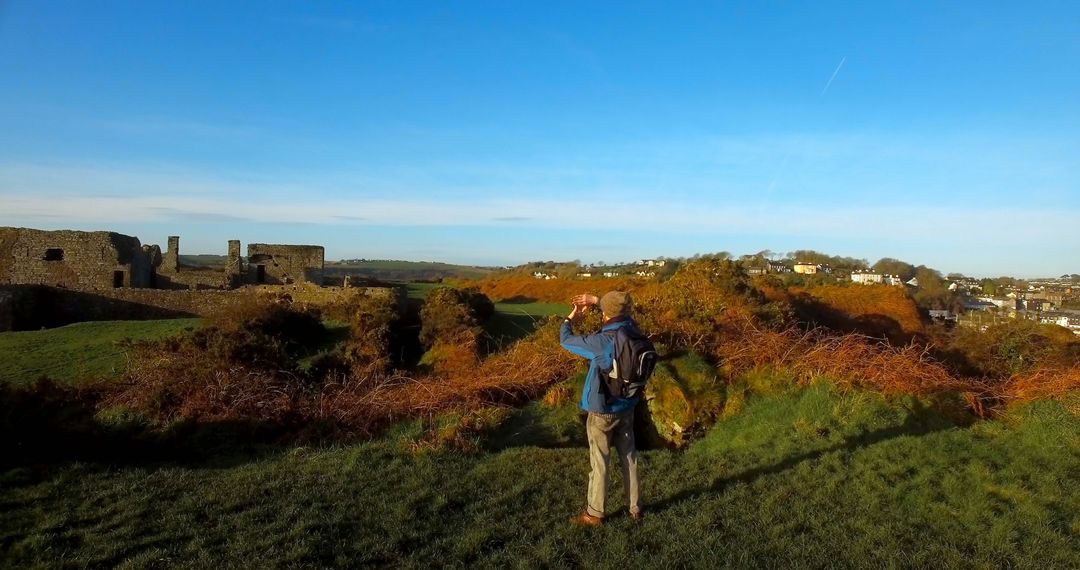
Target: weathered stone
7	311
72	259
278	264
106	260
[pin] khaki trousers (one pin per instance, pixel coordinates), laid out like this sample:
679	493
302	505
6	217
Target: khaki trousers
605	430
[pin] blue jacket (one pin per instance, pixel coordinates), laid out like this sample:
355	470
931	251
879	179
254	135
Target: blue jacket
600	350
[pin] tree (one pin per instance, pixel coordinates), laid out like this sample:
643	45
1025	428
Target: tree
933	291
890	266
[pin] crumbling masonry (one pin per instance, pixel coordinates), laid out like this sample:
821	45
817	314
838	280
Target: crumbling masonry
108	260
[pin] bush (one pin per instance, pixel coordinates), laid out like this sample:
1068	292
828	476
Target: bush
1014	347
371	320
684	396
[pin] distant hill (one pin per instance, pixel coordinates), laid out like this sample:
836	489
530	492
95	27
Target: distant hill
381	269
203	260
396	270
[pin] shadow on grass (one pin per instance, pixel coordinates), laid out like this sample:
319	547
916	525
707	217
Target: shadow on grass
506	328
922	421
519	300
47	424
537	426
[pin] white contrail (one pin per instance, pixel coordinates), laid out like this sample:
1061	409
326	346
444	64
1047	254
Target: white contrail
841	64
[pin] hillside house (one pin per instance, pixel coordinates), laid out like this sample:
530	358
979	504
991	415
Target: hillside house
866	277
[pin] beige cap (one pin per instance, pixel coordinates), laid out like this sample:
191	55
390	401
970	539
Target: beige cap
616	304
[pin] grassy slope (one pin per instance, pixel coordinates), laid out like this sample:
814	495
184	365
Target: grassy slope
805	479
78	350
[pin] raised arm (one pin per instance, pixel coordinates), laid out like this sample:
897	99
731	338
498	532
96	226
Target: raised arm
588	346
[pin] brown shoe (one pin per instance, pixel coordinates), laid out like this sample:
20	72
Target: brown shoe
585	519
636	516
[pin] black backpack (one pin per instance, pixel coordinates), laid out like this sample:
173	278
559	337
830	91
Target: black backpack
635	358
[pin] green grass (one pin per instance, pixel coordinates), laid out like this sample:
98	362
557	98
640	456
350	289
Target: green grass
513	321
76	351
415	290
804	479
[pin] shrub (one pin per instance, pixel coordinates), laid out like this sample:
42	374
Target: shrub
684	396
1015	347
371	320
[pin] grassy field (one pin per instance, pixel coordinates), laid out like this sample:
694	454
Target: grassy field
76	351
804	479
420	290
512	321
397	270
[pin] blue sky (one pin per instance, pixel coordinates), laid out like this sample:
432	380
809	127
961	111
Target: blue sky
946	134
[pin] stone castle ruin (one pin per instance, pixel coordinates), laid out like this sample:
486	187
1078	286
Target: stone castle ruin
277	264
50	278
108	260
73	259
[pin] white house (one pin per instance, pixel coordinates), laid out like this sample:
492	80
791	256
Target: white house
863	277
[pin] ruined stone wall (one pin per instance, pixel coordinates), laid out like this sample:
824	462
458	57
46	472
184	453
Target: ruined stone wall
277	264
320	296
172	275
7	311
197	279
72	259
235	261
171	262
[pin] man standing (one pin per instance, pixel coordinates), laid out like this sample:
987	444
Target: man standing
611	418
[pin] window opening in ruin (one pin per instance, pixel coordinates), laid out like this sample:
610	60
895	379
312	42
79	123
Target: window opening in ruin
54	254
117	279
260	274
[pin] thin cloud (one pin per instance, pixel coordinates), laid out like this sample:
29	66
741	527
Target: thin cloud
833	76
174	126
196	216
511	219
966	227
